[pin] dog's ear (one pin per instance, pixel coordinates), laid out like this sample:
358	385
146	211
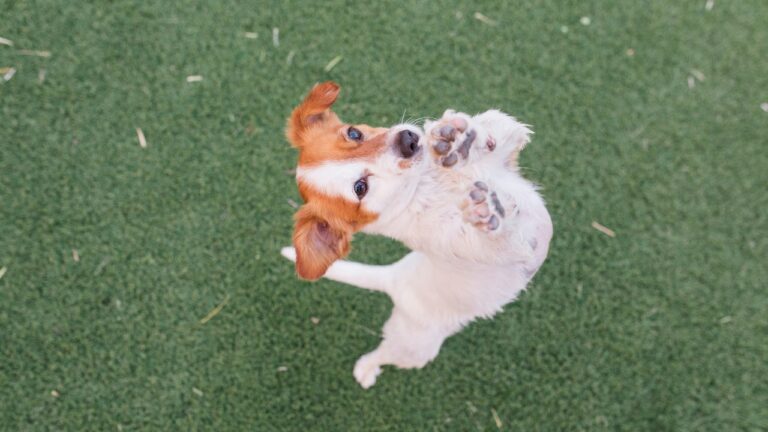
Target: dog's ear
318	243
315	109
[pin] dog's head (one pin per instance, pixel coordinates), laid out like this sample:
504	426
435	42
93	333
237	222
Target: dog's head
349	175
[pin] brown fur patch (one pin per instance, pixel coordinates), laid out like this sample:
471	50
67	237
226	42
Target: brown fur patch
323	230
320	135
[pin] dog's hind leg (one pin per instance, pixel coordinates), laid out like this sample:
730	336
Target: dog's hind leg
407	344
371	277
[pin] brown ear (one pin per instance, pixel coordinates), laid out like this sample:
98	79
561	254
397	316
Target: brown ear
318	243
315	108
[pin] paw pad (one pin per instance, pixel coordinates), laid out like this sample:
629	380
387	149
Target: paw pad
483	208
452	139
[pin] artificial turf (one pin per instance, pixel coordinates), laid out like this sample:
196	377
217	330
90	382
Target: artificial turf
648	120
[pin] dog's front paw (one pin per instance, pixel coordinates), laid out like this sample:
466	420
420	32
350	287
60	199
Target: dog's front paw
289	252
366	370
453	137
483	209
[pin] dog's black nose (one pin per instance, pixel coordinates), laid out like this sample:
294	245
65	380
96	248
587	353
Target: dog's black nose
408	143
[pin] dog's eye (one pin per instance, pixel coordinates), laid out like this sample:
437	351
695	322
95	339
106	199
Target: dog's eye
361	188
354	134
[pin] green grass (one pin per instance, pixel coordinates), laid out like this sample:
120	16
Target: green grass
664	327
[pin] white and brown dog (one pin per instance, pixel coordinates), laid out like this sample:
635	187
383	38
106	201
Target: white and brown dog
479	231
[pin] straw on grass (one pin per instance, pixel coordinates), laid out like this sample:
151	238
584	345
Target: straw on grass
603	229
496	419
9	73
142	139
215	311
332	64
484	19
34	53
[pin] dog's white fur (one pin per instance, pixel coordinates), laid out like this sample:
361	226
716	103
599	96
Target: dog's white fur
459	270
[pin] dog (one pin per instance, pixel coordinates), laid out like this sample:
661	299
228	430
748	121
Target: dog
451	192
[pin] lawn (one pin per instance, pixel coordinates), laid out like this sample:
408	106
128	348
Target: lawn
141	288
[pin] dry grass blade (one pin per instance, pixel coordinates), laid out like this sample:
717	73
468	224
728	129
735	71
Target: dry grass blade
603	229
9	74
215	311
142	139
764	106
691	82
4	41
276	37
496	419
484	19
75	255
251	35
709	5
332	64
292	203
194	78
34	53
197	391
41	76
2	272
698	74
